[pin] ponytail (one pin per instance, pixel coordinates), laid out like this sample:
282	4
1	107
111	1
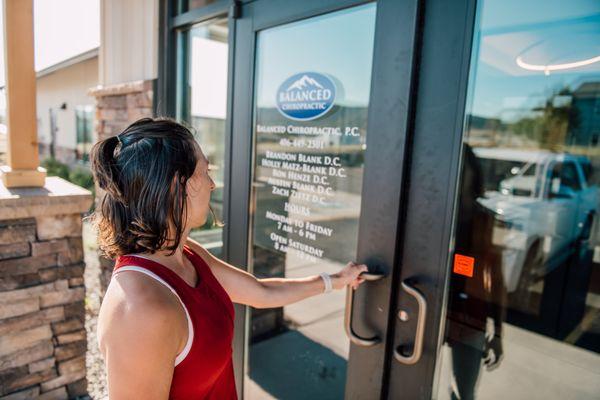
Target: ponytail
104	166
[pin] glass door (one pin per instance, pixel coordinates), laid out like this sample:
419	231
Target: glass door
306	193
319	122
513	287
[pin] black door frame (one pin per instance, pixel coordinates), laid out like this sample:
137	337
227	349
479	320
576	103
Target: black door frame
419	87
432	189
389	111
172	20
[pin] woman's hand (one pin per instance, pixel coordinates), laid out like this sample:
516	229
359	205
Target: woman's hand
349	275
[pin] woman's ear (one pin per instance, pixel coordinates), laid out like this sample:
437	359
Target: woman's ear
192	185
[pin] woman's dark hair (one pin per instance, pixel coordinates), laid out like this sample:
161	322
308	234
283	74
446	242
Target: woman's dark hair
143	172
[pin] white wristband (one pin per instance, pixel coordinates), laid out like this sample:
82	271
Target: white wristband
327	281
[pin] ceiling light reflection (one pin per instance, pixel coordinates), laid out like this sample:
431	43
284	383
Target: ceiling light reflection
555	67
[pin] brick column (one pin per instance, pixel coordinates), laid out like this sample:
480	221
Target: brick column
117	106
42	334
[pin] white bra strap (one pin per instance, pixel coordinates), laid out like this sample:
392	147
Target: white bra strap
181	356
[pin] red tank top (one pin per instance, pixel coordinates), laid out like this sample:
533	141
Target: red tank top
206	371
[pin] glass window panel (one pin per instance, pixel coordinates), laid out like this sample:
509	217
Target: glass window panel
204	106
525	301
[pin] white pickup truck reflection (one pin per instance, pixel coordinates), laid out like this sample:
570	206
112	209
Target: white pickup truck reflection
544	206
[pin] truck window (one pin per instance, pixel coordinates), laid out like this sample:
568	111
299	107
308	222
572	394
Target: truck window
567	174
495	171
586	167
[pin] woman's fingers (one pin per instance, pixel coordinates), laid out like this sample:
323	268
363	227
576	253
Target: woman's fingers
360	268
356	283
351	275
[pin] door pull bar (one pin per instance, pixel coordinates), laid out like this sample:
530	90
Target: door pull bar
420	333
354	338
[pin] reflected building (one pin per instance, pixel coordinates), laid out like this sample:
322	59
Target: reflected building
586	106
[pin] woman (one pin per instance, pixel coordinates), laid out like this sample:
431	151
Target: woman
165	327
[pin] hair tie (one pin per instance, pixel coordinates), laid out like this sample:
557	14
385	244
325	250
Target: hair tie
119	139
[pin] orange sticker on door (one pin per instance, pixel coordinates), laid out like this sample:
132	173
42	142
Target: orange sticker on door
463	265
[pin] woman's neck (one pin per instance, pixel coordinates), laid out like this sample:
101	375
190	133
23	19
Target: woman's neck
177	261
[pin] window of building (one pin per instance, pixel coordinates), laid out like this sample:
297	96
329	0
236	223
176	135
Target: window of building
202	103
187	5
84	126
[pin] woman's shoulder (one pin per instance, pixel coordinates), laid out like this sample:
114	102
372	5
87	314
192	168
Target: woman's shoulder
141	291
138	337
135	303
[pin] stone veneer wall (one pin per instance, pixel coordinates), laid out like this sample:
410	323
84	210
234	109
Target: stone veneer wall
117	106
42	314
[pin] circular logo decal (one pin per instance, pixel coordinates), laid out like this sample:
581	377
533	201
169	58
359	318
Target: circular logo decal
305	96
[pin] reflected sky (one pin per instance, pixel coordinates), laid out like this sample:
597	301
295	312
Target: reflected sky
555	36
319	35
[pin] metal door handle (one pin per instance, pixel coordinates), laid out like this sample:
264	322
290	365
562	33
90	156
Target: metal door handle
354	338
418	346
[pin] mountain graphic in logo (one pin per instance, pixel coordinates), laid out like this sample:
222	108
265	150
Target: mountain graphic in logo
306	96
305	82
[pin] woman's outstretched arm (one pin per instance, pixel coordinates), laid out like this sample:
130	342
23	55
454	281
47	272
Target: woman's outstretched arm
245	288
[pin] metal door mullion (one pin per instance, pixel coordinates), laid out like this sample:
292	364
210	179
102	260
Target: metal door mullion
439	117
